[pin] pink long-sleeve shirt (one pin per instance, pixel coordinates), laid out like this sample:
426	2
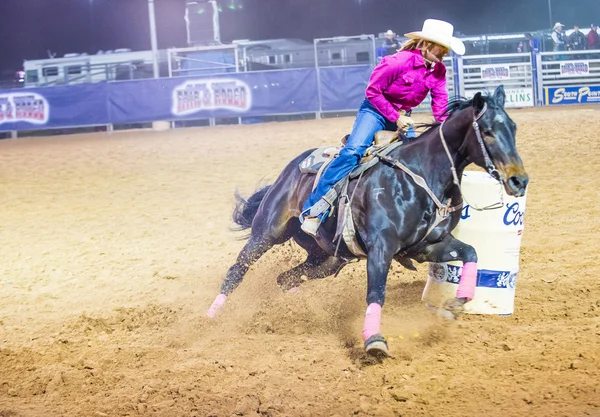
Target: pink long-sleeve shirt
402	81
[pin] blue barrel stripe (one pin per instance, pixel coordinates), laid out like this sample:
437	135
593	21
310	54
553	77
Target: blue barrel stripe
485	277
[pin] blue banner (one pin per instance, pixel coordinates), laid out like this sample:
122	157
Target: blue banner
220	96
572	95
54	107
217	96
485	277
226	95
343	88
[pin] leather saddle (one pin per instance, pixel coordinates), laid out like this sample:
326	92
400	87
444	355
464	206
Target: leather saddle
321	157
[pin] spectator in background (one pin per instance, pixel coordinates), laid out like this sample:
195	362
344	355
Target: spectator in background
526	45
593	39
559	37
521	47
577	40
391	43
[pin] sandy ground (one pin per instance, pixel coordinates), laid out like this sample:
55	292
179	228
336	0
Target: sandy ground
113	246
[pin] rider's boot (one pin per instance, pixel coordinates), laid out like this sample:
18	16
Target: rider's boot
310	224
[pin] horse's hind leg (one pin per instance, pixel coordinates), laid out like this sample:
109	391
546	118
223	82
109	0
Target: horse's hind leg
314	267
278	229
271	215
250	253
318	264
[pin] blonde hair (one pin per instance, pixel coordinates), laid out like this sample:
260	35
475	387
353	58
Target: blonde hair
420	44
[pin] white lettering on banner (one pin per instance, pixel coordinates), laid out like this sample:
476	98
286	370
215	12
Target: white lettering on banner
583	94
24	107
224	93
515	97
495	72
574	68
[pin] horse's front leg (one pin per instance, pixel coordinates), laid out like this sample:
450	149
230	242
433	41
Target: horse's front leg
451	249
378	265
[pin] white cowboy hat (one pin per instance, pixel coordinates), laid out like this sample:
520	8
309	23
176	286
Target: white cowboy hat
439	32
558	24
389	32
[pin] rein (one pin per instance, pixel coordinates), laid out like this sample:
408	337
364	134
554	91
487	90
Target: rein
444	209
489	165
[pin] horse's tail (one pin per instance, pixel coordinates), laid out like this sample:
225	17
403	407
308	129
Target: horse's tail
245	209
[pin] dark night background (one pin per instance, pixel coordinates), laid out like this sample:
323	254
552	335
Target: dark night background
30	27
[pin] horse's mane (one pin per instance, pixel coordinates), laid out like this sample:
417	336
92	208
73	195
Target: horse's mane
456	104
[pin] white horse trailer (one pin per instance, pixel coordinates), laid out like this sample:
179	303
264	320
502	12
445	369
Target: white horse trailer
121	64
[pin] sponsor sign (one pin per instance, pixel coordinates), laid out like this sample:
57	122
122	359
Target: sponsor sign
572	95
24	107
219	94
495	72
574	68
515	97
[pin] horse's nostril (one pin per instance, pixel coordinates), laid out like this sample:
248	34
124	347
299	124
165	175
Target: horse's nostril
517	183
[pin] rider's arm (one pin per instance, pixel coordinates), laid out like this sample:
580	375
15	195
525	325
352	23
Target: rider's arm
439	98
383	76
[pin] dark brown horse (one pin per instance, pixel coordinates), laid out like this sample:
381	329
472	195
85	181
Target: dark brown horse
395	218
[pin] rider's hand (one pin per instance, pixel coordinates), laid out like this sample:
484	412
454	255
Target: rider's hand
403	123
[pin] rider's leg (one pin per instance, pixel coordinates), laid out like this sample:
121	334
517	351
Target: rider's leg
368	122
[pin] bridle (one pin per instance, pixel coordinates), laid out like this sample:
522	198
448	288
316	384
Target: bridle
444	210
489	165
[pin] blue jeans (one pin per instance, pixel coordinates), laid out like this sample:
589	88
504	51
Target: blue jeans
368	122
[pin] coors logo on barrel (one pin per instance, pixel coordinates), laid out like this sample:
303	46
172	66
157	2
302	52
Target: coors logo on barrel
197	95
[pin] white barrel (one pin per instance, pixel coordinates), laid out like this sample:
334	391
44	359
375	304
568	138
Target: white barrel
496	236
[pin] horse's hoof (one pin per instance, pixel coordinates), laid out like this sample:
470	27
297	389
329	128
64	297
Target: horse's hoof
294	290
376	346
445	314
455	307
440	312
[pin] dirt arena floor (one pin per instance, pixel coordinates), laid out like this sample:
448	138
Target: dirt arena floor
113	247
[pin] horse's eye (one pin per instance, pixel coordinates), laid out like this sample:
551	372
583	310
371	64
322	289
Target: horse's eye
488	132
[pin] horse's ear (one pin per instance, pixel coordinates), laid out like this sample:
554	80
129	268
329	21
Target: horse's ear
500	96
478	102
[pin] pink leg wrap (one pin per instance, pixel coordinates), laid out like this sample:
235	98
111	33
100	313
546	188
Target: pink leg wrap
468	281
372	321
216	306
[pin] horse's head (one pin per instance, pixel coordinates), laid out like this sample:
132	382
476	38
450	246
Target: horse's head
494	147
